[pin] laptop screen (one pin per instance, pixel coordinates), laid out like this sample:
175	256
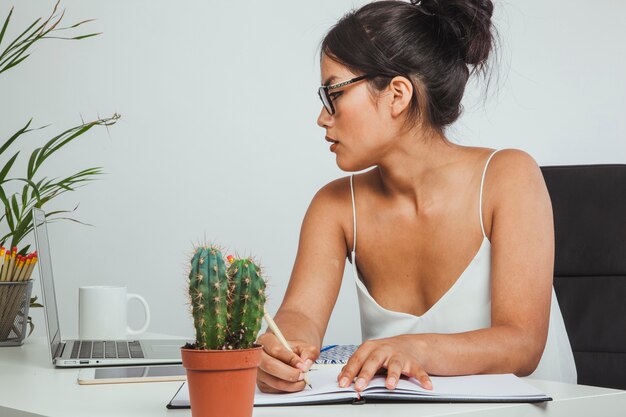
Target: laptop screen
47	282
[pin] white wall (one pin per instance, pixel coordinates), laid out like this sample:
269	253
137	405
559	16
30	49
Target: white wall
218	138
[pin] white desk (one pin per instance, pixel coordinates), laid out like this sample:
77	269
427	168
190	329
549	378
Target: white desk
31	386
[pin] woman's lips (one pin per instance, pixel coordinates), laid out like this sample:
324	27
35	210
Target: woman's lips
333	143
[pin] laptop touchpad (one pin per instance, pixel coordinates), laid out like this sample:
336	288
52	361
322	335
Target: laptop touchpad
164	350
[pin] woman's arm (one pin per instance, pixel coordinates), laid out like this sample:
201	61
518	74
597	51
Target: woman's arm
311	294
522	241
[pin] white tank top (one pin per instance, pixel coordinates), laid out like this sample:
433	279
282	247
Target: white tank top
464	307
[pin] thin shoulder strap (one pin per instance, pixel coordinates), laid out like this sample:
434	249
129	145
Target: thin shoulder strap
353	216
480	204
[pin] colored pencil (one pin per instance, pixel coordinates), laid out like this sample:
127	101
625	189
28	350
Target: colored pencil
5	266
2	251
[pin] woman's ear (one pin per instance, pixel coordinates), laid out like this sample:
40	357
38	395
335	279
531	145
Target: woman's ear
401	91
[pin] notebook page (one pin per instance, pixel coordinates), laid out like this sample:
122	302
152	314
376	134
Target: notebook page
471	386
325	388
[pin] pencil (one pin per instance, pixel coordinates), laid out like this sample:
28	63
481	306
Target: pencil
33	261
2	252
5	267
22	275
283	341
17	269
9	275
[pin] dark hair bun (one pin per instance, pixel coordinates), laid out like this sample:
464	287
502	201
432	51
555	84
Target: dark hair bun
435	44
470	24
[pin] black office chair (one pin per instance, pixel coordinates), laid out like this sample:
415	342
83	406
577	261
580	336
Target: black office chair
589	204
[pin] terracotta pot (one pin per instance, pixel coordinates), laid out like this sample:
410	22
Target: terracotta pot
221	382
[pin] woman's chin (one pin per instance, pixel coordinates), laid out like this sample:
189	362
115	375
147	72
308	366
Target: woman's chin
350	166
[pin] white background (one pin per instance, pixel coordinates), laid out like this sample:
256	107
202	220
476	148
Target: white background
218	138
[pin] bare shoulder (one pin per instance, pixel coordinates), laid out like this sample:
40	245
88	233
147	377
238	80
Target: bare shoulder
514	189
332	201
332	205
513	172
335	192
517	157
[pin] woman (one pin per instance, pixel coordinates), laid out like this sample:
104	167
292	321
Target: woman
455	243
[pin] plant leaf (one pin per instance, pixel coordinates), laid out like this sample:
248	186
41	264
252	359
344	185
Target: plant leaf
7	167
61	140
24	195
15	136
72	220
80	23
7	212
22	228
3	197
6	23
86	36
34	187
8	48
30	171
56	146
24	250
33	302
13	63
19	50
44	150
15	207
12	54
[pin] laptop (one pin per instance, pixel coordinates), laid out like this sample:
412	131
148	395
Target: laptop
92	353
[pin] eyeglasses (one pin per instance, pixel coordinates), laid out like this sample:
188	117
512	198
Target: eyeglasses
326	96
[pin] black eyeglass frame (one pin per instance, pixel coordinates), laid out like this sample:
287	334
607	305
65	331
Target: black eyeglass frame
324	94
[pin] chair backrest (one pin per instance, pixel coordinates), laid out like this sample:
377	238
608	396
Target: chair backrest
589	206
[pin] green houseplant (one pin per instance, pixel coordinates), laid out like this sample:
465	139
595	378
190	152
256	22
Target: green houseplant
227	301
20	193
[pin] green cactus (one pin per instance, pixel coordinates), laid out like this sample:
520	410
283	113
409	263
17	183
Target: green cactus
208	291
247	295
227	304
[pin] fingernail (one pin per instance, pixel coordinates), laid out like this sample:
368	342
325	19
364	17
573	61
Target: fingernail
428	384
301	377
344	382
360	384
308	363
391	382
301	366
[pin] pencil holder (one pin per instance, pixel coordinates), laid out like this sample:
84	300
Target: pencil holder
14	303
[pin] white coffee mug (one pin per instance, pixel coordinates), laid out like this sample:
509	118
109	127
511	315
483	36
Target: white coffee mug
102	313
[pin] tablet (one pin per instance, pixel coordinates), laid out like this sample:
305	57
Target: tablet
122	375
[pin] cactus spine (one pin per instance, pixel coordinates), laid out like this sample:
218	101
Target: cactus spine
227	303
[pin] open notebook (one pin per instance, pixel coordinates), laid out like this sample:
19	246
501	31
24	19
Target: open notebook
473	388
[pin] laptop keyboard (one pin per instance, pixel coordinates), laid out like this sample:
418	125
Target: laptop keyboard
109	349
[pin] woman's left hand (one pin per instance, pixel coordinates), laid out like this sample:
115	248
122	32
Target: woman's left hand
400	355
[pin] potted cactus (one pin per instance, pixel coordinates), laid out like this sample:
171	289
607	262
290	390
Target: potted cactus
227	302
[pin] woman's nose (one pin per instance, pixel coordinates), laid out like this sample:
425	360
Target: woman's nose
324	119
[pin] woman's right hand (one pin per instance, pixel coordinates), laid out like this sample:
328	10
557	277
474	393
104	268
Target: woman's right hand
281	370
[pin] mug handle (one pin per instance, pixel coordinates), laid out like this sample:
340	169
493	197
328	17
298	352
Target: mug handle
146	310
